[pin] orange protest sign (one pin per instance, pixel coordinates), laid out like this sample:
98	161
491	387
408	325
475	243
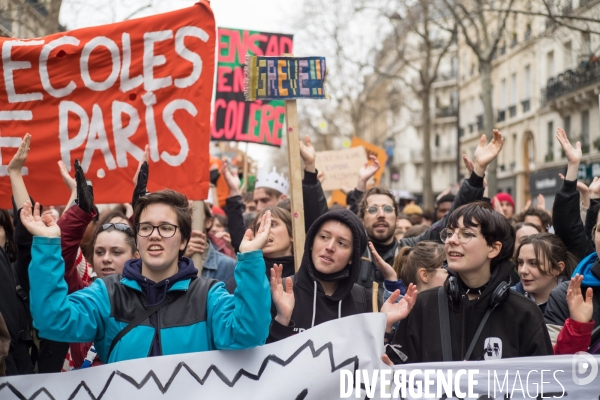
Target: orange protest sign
101	94
372	150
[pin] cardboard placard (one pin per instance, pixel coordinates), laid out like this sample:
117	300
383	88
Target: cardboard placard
372	150
340	167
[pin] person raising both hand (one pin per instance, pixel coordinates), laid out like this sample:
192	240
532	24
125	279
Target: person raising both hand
159	306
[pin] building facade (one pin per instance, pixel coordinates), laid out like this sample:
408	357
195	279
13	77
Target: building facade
23	18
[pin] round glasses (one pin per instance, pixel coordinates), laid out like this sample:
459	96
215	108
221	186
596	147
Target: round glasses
145	229
463	236
387	209
119	226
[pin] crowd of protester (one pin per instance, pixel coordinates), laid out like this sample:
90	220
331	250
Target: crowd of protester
473	279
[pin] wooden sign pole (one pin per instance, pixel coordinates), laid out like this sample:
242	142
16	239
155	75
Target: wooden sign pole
198	225
296	199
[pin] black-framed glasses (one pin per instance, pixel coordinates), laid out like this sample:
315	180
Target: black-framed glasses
387	209
463	236
118	226
146	229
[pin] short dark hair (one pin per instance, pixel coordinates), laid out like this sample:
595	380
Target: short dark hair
543	215
493	226
177	201
554	251
521	225
374	191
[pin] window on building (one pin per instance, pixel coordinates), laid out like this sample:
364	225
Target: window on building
568	55
454	70
567	125
549	65
550	142
513	89
503	94
587	43
585	131
437	140
527	82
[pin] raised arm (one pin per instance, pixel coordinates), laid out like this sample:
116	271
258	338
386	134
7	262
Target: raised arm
471	189
242	320
73	224
234	207
56	315
366	172
566	218
315	203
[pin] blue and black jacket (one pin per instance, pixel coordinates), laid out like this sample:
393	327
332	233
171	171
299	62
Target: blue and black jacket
205	317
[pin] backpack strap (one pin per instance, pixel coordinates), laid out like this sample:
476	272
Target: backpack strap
170	298
444	324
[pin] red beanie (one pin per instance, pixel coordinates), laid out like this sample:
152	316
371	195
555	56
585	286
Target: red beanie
506	197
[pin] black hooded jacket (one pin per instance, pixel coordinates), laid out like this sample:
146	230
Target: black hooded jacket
313	306
515	328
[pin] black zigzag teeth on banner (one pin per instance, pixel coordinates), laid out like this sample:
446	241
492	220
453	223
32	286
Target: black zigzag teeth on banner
182	365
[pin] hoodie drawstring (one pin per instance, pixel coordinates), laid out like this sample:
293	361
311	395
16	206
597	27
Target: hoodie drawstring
161	298
314	305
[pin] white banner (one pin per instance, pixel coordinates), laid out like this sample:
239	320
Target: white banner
305	366
321	364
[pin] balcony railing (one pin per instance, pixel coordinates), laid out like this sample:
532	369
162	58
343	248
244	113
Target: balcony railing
572	80
501	115
526	105
512	111
446	112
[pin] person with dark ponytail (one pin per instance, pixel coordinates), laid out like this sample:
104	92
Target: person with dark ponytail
543	262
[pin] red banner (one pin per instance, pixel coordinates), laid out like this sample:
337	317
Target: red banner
101	94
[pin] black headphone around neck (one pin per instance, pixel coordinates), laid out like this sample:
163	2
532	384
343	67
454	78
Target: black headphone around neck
452	288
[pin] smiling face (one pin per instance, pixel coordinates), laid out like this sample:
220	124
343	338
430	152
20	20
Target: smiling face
111	252
332	247
471	258
159	255
279	243
380	226
535	274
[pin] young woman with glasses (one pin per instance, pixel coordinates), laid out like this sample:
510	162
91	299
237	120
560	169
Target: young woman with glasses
475	315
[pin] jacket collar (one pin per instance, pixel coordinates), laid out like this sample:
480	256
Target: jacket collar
182	285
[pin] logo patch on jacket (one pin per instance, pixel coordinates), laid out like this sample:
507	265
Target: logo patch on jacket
492	348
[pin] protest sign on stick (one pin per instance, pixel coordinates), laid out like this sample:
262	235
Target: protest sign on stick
101	94
288	78
340	167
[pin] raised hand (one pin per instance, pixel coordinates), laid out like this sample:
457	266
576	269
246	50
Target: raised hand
283	299
386	269
308	154
485	152
232	179
594	188
197	244
573	154
140	179
581	310
398	311
36	224
470	167
67	178
541	202
85	193
224	235
18	161
367	171
251	243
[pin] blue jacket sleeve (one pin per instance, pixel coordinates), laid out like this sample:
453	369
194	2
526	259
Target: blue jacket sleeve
74	318
241	320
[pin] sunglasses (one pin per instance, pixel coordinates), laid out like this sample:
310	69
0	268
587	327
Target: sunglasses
119	226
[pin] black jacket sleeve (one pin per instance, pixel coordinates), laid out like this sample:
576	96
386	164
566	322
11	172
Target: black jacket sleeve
557	309
234	209
567	220
471	190
591	217
23	240
315	203
353	198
